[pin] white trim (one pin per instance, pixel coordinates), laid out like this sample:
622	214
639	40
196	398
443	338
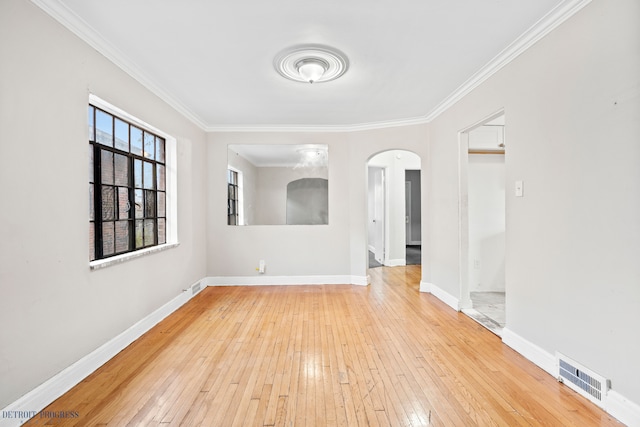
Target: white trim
463	218
40	397
361	280
118	259
531	351
395	262
442	295
544	26
171	188
75	24
618	406
463	207
96	101
285	280
425	286
61	13
319	128
623	409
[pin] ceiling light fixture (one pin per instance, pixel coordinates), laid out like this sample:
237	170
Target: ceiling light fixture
312	156
311	63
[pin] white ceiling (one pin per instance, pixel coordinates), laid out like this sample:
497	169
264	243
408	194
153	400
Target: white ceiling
274	155
213	59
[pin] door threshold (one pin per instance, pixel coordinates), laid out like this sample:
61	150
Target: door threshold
484	320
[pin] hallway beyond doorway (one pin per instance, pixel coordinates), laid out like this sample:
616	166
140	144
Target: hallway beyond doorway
413	256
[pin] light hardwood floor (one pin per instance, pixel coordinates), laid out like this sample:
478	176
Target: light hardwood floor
322	356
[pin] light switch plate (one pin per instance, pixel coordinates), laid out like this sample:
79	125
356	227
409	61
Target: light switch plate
519	189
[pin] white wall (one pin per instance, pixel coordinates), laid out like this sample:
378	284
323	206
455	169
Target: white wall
572	105
300	250
486	222
53	309
339	248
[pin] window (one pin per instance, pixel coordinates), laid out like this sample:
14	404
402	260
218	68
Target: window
127	185
232	197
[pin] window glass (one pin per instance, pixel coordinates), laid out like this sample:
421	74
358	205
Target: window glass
128	205
149	145
136	141
122	135
104	128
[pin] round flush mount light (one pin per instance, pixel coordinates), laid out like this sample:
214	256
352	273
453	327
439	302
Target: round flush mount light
311	63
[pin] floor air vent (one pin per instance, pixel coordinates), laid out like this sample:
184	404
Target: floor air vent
587	383
196	288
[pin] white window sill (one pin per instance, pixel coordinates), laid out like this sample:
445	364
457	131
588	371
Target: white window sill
118	259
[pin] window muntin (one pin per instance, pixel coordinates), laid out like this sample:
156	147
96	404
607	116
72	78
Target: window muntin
233	197
127	186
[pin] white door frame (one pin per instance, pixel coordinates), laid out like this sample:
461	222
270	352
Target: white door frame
380	207
463	208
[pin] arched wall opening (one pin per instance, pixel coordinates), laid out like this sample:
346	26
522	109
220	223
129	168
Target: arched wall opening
394	212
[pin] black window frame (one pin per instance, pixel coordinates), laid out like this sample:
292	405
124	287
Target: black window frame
233	197
134	178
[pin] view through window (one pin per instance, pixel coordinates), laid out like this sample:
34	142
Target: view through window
127	188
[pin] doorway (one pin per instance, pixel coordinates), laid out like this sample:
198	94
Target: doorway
413	215
393	223
376	216
483	230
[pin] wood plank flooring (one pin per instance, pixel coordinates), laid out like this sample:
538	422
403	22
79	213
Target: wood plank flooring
334	355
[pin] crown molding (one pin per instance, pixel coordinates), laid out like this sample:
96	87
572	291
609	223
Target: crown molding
557	16
70	20
318	128
544	26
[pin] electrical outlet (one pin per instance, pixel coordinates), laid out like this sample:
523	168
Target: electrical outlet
261	266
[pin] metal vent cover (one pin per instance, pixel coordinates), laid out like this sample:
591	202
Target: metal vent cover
582	380
196	288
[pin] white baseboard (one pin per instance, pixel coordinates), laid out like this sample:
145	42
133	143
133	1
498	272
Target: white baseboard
487	290
441	294
531	351
39	398
623	409
395	262
361	280
425	286
617	406
286	280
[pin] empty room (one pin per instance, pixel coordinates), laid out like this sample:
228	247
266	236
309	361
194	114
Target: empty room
290	213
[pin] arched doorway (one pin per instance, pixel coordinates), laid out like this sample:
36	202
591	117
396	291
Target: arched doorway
394	209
